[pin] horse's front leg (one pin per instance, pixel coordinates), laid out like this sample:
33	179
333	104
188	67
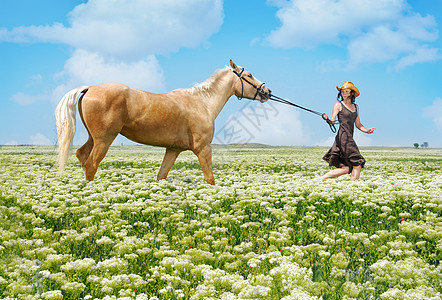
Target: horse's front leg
205	158
168	160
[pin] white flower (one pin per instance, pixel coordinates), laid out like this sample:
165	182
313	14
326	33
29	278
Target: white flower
356	213
112	265
253	263
52	295
73	287
104	240
350	289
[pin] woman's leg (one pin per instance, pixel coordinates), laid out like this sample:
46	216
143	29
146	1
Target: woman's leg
335	173
355	173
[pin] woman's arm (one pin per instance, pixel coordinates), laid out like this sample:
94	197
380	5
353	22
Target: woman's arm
361	127
336	109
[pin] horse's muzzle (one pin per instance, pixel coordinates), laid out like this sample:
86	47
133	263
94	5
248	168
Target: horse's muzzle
264	94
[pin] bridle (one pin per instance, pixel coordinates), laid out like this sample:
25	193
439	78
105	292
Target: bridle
259	89
269	96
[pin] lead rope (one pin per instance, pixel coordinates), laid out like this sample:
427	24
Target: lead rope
285	101
278	99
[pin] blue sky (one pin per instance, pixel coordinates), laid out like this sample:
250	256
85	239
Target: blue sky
302	49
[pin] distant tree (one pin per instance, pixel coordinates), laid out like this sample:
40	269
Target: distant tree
424	145
416	145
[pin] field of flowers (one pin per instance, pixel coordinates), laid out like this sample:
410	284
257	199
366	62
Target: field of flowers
266	230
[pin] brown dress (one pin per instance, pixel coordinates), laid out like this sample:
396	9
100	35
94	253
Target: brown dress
344	151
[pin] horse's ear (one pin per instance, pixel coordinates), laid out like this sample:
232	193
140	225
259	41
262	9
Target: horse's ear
233	65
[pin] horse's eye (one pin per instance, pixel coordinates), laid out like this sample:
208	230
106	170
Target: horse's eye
250	75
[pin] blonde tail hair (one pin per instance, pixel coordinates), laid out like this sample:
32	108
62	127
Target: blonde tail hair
65	120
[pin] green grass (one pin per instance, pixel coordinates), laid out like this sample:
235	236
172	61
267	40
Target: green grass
266	230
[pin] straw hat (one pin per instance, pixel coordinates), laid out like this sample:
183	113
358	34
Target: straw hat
349	85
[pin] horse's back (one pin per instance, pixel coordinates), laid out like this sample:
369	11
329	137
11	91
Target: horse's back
108	92
177	119
147	118
115	99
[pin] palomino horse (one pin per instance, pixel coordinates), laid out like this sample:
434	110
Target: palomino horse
179	120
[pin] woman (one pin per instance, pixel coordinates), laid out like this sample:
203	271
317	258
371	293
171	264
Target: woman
344	154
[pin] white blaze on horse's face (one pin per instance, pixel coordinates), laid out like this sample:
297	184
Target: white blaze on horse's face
248	86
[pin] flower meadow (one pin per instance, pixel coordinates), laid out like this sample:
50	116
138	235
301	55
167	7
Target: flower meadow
266	230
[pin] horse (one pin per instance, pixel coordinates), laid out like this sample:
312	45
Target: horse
179	120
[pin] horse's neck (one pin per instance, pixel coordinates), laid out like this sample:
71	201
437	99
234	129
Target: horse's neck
223	91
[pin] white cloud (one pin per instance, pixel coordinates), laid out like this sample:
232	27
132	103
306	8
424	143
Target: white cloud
423	54
11	143
379	45
327	142
389	42
308	23
372	31
362	139
435	112
129	29
285	129
40	139
116	41
85	68
264	123
25	99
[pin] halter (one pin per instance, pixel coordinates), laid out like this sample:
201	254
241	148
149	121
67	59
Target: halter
259	89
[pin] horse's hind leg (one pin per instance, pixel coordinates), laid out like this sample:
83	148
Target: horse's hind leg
205	159
99	150
84	151
168	160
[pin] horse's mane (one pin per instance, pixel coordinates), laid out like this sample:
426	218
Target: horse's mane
209	86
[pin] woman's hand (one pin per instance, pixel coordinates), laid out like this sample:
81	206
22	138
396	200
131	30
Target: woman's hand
370	130
324	116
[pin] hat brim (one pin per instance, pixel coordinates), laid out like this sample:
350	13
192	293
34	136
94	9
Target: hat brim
353	88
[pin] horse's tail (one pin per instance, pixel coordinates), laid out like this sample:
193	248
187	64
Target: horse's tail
65	120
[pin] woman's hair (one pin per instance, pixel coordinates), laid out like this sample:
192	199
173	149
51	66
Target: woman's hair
352	96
